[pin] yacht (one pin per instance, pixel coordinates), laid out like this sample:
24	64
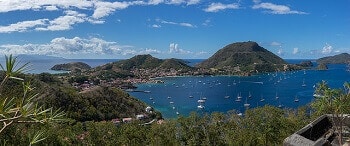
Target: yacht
303	85
296	99
262	99
200	106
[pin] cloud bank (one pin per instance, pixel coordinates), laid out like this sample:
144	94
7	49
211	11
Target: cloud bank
74	12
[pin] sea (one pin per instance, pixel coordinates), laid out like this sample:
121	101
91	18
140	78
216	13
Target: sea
179	96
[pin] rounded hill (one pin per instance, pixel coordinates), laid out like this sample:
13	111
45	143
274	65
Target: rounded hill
243	56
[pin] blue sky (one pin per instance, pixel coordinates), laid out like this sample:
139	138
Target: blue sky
186	29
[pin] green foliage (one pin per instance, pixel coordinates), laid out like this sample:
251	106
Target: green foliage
21	106
247	55
335	102
101	103
78	79
336	59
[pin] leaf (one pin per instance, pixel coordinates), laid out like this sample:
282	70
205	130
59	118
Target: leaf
39	136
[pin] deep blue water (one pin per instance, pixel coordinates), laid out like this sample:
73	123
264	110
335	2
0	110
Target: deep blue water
173	96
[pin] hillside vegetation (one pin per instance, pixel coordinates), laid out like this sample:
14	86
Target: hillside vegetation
72	66
244	56
336	59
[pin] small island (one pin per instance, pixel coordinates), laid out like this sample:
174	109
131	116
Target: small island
72	66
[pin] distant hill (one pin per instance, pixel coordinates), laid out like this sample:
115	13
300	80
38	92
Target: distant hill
72	66
245	57
150	62
336	59
139	61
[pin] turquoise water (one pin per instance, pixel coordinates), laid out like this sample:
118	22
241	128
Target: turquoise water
172	98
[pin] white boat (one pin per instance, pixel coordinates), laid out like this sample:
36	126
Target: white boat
250	95
169	97
303	85
239	96
238	100
227	96
177	113
200	106
240	114
277	96
296	99
262	99
171	102
246	103
201	101
190	96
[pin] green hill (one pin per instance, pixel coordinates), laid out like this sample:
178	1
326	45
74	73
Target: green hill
139	61
72	66
243	56
150	62
336	59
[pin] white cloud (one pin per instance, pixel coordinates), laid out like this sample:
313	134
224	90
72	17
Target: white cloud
295	50
23	26
156	26
185	24
275	44
155	2
103	9
76	46
327	49
215	7
64	22
276	9
66	46
206	22
91	11
280	52
173	48
51	8
187	2
149	51
17	5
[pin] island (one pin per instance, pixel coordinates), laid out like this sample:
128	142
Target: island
72	66
343	58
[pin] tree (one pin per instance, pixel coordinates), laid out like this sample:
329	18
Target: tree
22	108
335	102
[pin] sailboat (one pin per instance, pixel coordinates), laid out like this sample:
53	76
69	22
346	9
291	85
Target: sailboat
296	99
277	96
239	96
250	95
246	103
303	85
227	96
200	106
262	99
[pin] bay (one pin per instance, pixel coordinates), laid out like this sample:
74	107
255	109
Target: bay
173	96
179	95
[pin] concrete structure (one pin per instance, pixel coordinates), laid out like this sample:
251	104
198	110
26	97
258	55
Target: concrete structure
318	133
